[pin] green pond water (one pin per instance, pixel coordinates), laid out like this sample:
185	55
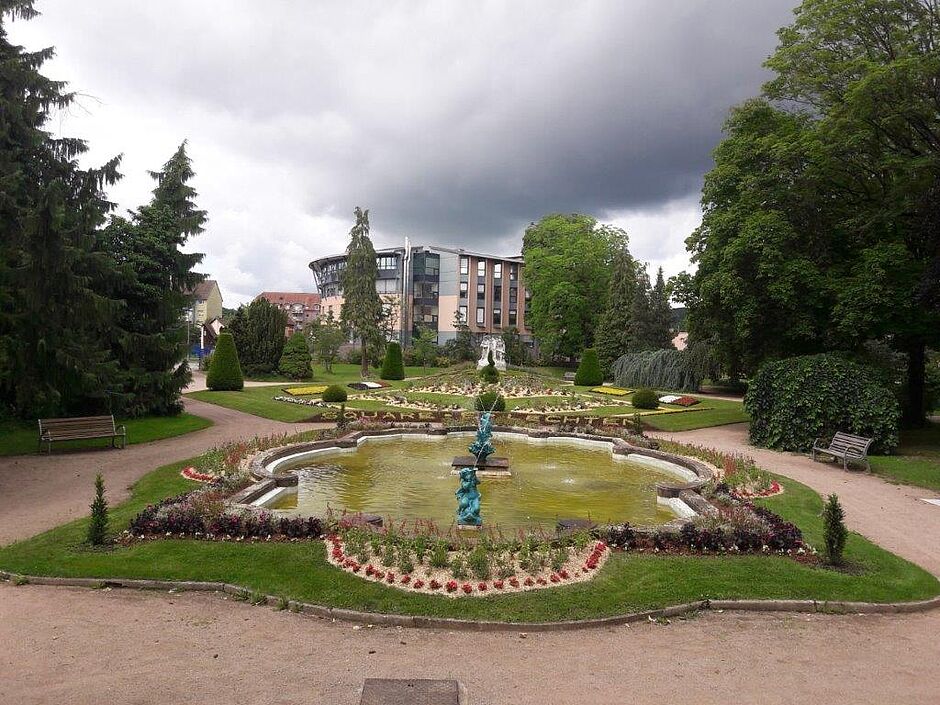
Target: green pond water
410	478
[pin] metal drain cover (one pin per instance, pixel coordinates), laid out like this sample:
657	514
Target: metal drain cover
417	691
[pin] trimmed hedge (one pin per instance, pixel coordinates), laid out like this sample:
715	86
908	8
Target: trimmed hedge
225	372
793	402
589	372
488	373
392	365
334	393
490	401
296	360
645	398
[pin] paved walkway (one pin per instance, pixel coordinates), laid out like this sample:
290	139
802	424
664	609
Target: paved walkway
39	492
890	515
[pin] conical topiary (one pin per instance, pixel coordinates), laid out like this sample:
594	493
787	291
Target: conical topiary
392	365
295	360
225	372
489	374
589	372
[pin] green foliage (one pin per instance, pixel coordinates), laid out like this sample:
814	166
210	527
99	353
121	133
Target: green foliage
615	333
589	372
516	352
225	372
362	314
479	562
98	526
490	401
392	365
296	360
460	348
424	346
334	393
645	398
488	373
677	370
567	269
792	402
258	329
834	531
326	338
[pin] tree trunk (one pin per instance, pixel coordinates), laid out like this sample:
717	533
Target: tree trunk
914	412
364	368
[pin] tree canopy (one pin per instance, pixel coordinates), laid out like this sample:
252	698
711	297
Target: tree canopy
362	314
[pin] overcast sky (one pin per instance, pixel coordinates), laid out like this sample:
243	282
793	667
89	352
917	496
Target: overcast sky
456	123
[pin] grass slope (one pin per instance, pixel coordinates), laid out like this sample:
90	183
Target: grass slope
628	582
917	461
18	438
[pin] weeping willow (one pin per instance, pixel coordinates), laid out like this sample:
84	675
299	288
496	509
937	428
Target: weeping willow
676	370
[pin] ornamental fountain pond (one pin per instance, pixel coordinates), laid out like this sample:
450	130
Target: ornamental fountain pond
544	479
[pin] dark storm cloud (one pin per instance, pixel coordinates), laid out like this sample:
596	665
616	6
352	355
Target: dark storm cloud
454	122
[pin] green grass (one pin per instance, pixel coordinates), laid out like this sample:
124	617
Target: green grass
18	438
718	413
628	582
343	373
258	401
917	461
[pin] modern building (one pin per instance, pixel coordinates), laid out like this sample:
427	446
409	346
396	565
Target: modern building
426	286
207	302
301	308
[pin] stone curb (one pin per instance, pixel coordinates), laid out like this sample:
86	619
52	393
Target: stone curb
418	621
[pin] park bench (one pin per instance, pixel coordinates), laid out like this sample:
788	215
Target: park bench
569	376
80	428
846	446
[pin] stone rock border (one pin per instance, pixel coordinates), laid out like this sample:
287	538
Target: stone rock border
401	620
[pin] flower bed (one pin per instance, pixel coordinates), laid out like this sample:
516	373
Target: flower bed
677	400
305	402
305	390
446	572
191	473
612	391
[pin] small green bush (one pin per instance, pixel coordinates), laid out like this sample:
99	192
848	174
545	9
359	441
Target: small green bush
334	393
98	527
392	365
835	531
793	402
490	401
589	372
295	360
225	372
645	398
489	374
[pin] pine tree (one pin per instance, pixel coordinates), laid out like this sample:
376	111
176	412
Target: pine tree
614	335
225	372
392	366
152	343
660	331
361	315
98	527
641	313
834	530
258	330
589	372
295	360
55	320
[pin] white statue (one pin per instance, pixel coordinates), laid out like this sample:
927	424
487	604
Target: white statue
494	344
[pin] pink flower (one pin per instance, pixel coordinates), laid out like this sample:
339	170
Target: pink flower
405	579
514	581
451	586
481	587
529	582
467	588
498	584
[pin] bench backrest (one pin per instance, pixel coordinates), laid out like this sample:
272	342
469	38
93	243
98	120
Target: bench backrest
77	427
850	444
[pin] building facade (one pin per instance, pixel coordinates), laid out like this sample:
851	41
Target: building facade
428	286
207	302
301	309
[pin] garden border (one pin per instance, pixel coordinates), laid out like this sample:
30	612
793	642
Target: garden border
417	621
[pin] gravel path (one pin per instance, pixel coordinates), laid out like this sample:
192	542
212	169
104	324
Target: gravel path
893	516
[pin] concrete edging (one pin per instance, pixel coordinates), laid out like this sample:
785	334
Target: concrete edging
418	621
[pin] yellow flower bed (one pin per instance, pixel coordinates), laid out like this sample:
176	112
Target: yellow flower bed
613	391
309	389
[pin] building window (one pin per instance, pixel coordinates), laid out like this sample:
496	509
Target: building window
497	317
480	315
465	265
462	313
463	289
481	292
498	270
498	293
386	286
481	268
386	262
513	272
513	297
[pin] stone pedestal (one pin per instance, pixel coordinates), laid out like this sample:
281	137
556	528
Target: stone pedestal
491	467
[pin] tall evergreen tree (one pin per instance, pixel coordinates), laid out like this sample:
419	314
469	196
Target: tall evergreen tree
151	344
258	331
641	312
54	325
660	332
614	335
362	314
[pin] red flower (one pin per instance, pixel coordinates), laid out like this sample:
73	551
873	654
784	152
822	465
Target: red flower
481	587
451	585
498	584
542	581
355	567
529	581
419	583
434	585
554	578
369	569
405	579
390	577
467	588
563	574
514	581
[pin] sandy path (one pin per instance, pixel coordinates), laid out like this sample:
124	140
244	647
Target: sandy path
39	492
893	516
79	646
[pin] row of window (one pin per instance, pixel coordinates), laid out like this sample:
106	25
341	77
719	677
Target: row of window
481	316
497	269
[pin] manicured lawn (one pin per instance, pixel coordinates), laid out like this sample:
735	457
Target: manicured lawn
344	373
718	413
18	438
917	461
628	582
258	401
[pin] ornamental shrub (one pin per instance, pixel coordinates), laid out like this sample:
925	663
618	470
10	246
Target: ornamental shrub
645	398
225	372
835	532
334	393
793	402
392	365
490	401
589	372
295	360
98	528
489	374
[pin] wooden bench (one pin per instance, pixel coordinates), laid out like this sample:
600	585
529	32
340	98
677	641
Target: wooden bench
80	428
569	376
846	446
